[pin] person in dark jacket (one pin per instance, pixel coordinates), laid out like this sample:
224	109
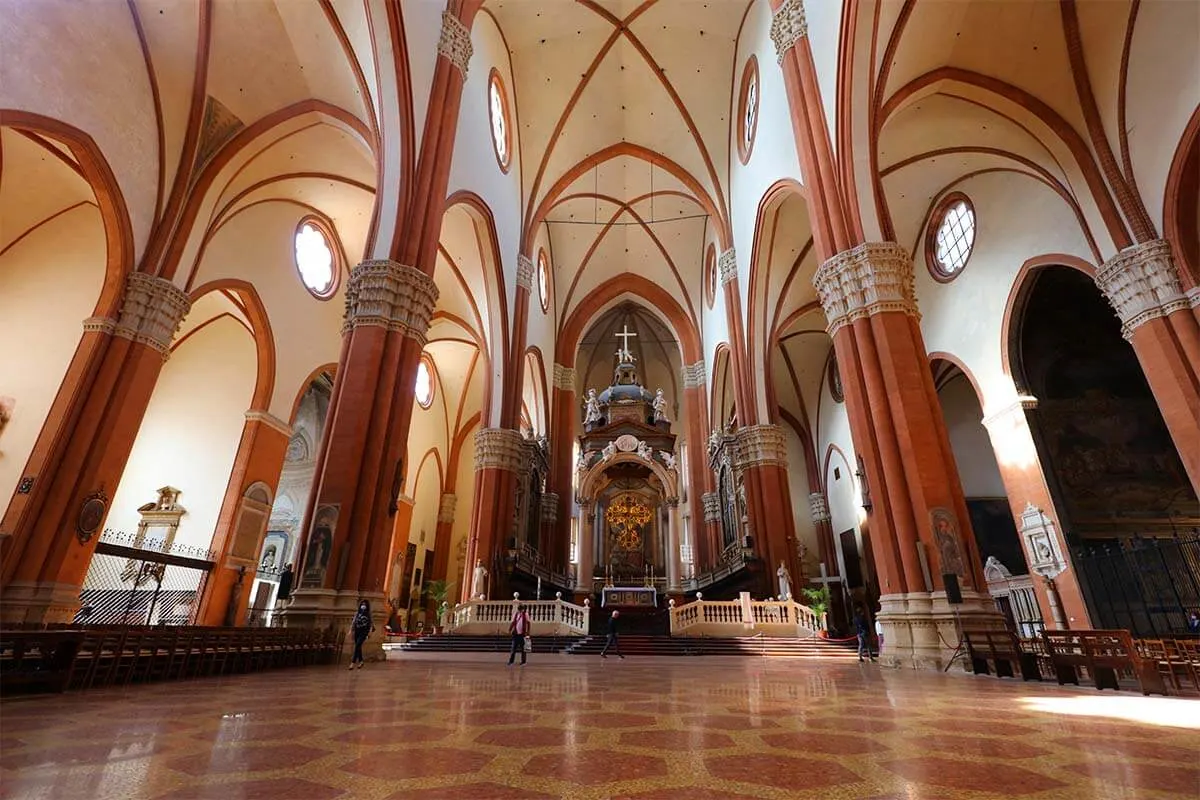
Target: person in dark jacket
612	636
361	627
285	583
863	630
519	627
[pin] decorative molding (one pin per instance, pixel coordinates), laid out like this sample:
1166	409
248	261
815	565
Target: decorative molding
499	448
524	272
712	506
151	313
1006	413
1193	296
757	445
550	507
727	266
271	421
872	278
788	26
446	509
1142	283
389	295
455	42
564	378
694	375
818	507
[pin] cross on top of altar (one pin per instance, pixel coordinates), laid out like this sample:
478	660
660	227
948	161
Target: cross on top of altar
623	354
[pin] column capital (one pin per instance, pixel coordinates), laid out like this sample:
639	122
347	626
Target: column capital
151	313
564	378
271	421
671	502
758	445
499	448
712	506
1003	415
524	272
386	294
727	266
788	26
818	507
549	507
694	375
872	278
1142	283
455	42
446	509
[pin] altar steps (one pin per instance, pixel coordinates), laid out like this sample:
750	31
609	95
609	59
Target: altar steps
640	645
446	643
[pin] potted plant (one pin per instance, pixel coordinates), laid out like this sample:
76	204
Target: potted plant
438	592
818	601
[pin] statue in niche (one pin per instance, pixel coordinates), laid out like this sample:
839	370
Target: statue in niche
591	413
660	407
785	581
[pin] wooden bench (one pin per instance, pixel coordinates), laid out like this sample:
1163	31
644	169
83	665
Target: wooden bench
1105	655
37	660
1177	660
999	650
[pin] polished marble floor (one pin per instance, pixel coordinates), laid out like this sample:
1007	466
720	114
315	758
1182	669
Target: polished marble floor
569	727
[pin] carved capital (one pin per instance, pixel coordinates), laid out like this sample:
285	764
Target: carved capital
271	421
1142	283
693	375
564	378
727	266
788	26
151	313
390	295
455	42
760	445
818	507
524	272
712	506
871	278
550	507
499	448
446	508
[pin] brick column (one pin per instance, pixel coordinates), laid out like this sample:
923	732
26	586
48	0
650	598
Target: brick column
565	409
705	534
1142	285
587	550
761	456
443	538
818	509
919	517
80	455
498	457
243	519
674	563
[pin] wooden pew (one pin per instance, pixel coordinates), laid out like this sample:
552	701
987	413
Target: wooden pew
999	650
1105	655
37	660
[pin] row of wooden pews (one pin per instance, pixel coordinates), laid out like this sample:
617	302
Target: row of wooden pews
64	658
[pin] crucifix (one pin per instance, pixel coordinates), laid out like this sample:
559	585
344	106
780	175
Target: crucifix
624	336
826	579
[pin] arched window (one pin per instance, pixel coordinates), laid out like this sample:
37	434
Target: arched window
423	389
950	236
501	123
316	258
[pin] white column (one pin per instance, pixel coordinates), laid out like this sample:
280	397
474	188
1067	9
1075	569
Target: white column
587	546
673	559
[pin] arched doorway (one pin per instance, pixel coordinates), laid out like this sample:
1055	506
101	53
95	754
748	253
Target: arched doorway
1126	506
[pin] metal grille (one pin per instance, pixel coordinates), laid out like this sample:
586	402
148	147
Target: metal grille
146	582
1144	585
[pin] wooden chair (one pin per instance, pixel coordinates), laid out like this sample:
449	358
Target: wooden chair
1105	654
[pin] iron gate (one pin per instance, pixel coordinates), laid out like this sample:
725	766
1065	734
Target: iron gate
1145	585
148	582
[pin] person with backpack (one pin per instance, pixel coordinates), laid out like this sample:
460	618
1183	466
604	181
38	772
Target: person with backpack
361	627
519	628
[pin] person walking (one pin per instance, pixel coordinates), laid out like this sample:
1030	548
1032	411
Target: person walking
863	632
519	628
361	627
612	636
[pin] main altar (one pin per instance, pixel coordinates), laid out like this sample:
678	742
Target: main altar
628	491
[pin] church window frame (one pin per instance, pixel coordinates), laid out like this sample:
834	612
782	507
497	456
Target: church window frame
499	120
950	237
430	382
309	226
748	108
710	275
543	279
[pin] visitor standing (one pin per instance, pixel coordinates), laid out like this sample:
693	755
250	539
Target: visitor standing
863	632
1194	622
285	583
521	640
361	627
612	636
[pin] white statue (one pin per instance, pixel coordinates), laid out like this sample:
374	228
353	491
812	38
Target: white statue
583	461
609	451
644	451
478	587
591	412
668	459
785	582
660	407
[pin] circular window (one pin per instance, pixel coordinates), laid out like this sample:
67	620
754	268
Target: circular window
423	389
315	259
501	125
835	380
748	110
543	280
710	275
950	236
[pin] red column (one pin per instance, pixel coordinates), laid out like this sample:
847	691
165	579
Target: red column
243	519
82	451
705	535
443	537
498	457
562	440
762	458
1142	284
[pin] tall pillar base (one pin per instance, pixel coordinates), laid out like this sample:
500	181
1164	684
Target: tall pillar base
327	608
921	630
26	603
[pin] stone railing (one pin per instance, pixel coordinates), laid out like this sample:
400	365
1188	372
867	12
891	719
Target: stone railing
548	617
732	618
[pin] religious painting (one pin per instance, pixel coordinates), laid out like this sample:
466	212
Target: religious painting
949	544
320	545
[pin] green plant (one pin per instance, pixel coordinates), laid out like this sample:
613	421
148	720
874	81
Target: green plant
438	592
817	599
